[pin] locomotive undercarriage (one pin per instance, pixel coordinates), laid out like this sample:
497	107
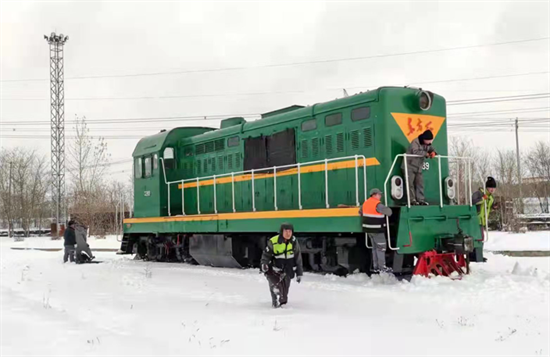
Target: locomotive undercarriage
337	254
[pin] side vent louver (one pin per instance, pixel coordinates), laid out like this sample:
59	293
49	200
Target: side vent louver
328	144
304	149
315	146
340	142
367	133
355	139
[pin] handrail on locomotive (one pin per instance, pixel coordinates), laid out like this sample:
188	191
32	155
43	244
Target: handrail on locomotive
467	185
274	169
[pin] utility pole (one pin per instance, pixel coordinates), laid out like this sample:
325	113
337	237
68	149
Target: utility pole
57	114
9	204
519	168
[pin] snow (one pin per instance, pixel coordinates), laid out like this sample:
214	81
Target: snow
504	241
109	242
127	307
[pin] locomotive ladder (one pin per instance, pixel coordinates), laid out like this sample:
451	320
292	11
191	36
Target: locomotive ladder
357	158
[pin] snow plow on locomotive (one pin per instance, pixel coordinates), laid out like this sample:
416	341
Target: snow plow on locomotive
214	196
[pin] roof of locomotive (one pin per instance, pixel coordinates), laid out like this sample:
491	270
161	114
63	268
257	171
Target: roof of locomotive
192	135
155	143
276	117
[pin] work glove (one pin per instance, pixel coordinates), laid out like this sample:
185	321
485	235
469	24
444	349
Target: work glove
265	268
298	279
485	197
432	154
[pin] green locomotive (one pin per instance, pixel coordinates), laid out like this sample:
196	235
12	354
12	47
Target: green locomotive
213	196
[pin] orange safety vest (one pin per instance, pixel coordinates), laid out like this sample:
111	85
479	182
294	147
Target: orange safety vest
373	221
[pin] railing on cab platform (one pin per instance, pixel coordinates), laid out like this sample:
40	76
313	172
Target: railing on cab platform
467	187
252	172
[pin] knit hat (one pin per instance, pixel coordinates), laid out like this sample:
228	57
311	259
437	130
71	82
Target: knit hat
286	226
427	135
491	182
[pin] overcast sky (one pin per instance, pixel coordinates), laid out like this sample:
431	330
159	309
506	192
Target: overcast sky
137	38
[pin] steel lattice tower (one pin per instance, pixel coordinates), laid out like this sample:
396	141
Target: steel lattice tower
57	109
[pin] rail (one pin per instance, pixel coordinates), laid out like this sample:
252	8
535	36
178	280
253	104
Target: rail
467	160
275	169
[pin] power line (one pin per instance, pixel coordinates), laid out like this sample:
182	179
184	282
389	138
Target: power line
198	118
496	112
70	137
500	123
261	93
467	79
499	99
348	59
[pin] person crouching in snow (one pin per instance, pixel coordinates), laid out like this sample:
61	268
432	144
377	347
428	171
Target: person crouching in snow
281	261
82	245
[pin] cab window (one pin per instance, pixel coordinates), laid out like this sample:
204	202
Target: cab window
155	161
148	166
169	159
137	167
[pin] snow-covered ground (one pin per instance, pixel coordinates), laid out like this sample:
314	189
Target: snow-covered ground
498	241
109	242
503	241
126	307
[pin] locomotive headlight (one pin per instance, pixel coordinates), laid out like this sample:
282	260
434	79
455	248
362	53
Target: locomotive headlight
397	187
425	99
450	188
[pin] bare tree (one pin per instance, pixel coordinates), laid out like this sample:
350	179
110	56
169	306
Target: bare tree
23	187
538	164
480	169
88	160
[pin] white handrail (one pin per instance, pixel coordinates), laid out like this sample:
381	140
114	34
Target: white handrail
365	177
275	169
215	197
182	198
470	180
275	188
326	183
299	187
467	159
198	197
253	193
458	184
440	183
271	168
356	182
233	191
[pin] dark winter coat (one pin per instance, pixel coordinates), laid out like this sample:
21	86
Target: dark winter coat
283	256
69	236
417	148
